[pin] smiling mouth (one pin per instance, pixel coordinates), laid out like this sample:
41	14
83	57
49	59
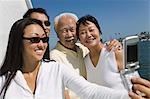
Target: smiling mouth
90	40
70	40
39	52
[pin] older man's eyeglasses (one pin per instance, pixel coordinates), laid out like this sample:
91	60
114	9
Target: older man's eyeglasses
37	39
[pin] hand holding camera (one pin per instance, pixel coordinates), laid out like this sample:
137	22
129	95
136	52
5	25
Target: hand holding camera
142	86
126	76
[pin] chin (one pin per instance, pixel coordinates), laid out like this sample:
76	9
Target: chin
39	58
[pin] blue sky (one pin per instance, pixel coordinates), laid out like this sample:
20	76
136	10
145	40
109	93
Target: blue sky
117	18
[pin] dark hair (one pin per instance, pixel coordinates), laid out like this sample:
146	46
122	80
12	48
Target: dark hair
38	10
83	20
28	15
14	59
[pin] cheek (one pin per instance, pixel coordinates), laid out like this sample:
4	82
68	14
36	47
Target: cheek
82	39
27	49
74	33
62	35
45	45
98	36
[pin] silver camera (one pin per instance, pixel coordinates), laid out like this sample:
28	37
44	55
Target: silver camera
126	76
130	61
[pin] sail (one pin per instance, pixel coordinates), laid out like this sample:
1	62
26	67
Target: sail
11	10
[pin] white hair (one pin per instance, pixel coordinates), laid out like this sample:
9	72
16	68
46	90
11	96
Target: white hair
56	19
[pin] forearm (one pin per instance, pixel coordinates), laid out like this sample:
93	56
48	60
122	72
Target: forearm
87	90
119	59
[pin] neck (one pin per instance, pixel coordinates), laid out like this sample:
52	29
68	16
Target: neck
95	54
95	51
29	67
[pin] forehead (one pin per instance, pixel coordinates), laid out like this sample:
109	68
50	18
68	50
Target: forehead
39	16
87	24
34	29
66	20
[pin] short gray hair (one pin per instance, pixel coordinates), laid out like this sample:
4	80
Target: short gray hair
56	19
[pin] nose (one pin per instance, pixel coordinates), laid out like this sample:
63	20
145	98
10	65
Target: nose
41	44
88	33
69	33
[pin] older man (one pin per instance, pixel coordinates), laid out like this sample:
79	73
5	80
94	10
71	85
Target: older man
67	50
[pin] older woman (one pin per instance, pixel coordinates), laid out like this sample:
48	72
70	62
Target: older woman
26	75
102	65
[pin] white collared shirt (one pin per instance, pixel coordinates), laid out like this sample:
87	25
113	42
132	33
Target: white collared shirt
51	81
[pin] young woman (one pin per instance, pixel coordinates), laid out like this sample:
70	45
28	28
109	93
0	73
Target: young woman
26	75
102	64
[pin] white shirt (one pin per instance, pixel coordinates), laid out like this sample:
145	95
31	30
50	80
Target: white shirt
51	81
106	72
73	59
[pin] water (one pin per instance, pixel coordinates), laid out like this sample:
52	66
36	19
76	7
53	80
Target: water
144	59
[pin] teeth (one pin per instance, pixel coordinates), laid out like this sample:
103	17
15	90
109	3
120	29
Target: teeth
89	40
71	40
39	51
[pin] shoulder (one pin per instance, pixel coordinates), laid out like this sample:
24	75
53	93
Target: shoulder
81	46
56	49
87	57
52	65
87	60
84	49
56	53
54	68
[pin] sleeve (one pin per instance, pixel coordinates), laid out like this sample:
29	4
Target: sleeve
54	55
87	90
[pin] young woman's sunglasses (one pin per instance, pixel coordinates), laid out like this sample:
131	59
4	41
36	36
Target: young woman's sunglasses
37	39
47	23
